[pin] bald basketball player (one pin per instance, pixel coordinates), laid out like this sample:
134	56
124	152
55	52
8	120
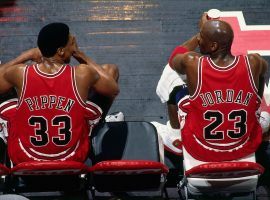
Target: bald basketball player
225	94
51	120
172	89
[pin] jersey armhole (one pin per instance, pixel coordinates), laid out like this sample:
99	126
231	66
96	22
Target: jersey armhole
75	89
199	80
250	76
25	74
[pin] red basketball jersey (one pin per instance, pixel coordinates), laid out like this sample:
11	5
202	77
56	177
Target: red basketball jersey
51	121
222	122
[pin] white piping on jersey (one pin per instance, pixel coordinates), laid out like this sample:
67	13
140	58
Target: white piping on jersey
30	156
10	101
227	68
94	105
74	88
223	145
47	155
251	79
47	75
93	121
199	80
25	72
9	107
180	102
220	150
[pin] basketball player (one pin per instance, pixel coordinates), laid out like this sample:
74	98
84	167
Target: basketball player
225	93
172	90
51	119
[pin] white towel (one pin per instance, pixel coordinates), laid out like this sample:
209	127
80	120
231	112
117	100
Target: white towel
169	79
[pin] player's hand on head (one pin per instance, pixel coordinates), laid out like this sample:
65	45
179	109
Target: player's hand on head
75	47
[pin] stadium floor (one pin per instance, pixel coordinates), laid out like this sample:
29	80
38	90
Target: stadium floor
137	35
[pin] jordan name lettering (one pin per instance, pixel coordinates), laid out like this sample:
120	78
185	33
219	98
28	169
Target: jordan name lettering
209	99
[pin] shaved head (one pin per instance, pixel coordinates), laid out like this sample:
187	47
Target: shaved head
219	32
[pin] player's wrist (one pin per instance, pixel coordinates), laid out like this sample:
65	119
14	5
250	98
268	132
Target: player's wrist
80	56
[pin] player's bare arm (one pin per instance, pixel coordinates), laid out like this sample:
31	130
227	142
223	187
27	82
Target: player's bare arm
259	68
11	73
190	45
106	84
86	78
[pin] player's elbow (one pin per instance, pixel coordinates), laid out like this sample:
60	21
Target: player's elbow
177	64
115	90
112	72
107	87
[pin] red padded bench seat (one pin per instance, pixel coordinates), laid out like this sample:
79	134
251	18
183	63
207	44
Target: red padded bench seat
49	168
218	170
128	167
